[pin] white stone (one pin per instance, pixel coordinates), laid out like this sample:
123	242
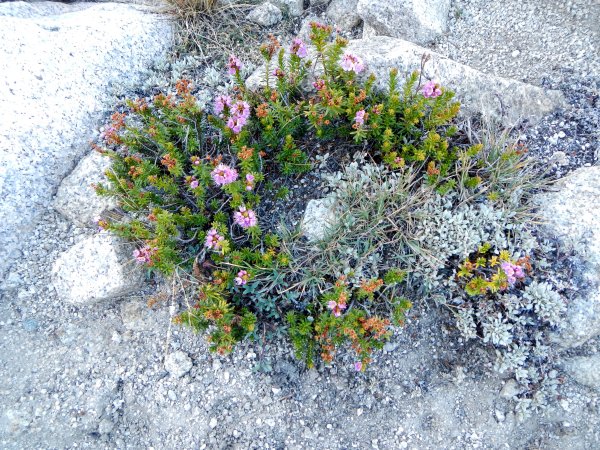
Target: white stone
58	64
419	21
266	14
585	370
344	14
76	198
98	268
510	389
295	8
318	218
178	364
213	423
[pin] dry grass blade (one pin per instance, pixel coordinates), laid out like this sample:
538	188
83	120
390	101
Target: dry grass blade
215	30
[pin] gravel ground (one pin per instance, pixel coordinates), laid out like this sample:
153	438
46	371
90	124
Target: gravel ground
95	377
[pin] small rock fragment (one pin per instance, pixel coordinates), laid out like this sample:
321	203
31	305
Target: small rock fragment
76	199
178	364
266	14
98	268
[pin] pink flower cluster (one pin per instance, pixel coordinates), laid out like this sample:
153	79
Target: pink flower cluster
144	255
213	239
221	102
513	272
358	366
193	183
245	218
336	308
298	48
242	278
239	112
234	65
360	117
223	175
352	63
250	181
431	90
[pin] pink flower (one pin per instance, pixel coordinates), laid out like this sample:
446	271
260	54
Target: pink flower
223	175
358	366
195	160
360	117
236	123
512	272
298	48
194	183
319	84
431	90
242	278
245	218
249	181
234	65
220	103
336	308
240	109
213	239
352	63
278	73
144	254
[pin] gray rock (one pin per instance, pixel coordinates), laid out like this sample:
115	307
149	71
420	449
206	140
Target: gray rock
266	14
585	370
570	213
319	216
294	8
509	100
76	198
178	364
98	268
419	21
305	31
70	56
344	14
582	321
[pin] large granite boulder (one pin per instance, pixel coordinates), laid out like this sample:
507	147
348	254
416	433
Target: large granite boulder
419	21
570	213
58	63
344	14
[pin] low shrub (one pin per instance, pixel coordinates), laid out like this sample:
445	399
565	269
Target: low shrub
419	197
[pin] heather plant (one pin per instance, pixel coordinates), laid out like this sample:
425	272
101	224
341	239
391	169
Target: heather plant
418	197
